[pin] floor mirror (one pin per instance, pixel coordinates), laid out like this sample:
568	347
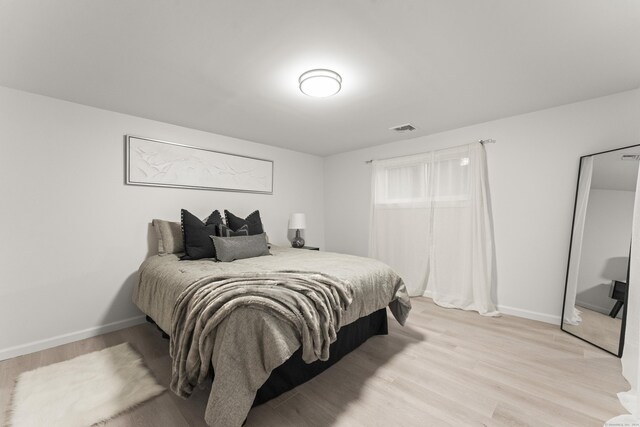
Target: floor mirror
597	278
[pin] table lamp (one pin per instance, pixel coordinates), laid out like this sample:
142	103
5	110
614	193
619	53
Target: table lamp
297	221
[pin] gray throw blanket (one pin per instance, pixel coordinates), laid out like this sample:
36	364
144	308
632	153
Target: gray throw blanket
309	304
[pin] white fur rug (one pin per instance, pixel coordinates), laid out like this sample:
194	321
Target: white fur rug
82	391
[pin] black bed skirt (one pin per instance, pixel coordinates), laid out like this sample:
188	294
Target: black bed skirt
295	371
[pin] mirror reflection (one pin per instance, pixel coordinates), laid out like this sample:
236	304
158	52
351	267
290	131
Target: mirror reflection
597	276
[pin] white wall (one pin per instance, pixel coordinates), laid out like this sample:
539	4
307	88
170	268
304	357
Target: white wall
605	247
74	235
533	169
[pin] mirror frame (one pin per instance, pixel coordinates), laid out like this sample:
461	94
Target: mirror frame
566	280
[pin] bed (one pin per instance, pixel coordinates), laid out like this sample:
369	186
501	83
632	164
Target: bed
256	356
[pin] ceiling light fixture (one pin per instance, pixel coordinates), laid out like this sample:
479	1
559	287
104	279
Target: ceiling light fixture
320	83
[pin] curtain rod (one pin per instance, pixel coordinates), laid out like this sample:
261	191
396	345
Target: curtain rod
481	141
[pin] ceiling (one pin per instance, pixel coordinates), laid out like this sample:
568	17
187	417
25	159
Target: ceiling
231	67
610	172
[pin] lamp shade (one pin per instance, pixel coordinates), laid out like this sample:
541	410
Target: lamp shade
297	221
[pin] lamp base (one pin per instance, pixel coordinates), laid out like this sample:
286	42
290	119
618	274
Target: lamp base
297	242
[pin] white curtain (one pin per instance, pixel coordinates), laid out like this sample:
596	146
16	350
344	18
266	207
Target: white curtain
571	313
631	352
431	222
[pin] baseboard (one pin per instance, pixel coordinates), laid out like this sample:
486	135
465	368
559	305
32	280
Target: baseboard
34	346
519	312
592	307
601	310
528	314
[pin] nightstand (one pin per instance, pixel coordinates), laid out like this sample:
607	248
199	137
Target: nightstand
311	248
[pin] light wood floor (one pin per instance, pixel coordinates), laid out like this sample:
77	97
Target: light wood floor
598	328
446	367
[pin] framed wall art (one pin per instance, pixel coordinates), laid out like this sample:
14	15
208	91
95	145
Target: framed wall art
157	163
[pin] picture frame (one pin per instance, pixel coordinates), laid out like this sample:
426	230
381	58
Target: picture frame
157	163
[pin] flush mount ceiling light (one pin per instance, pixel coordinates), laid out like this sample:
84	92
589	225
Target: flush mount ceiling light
320	83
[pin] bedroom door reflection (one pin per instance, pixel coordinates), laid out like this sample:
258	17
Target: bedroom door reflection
598	271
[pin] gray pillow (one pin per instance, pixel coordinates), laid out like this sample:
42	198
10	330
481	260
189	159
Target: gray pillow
169	234
240	247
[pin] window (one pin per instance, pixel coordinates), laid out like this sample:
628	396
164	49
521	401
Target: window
423	182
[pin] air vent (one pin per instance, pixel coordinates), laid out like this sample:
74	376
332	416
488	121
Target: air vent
631	157
408	127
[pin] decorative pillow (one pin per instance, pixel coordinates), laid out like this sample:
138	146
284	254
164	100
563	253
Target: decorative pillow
170	240
224	231
253	221
231	248
197	243
160	244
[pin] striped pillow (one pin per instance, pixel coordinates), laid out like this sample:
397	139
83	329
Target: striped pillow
224	231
